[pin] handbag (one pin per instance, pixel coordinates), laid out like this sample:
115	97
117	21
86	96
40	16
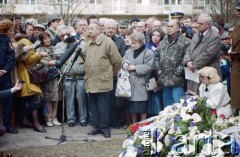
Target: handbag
151	84
53	73
123	88
38	73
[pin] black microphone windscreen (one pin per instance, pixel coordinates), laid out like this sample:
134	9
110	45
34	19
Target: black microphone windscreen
64	57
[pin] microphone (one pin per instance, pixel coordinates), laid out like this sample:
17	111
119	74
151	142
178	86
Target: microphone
75	47
64	57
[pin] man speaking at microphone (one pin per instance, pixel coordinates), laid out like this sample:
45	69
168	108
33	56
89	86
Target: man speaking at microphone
102	63
73	82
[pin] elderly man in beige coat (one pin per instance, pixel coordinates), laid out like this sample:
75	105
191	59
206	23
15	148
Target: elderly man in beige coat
102	63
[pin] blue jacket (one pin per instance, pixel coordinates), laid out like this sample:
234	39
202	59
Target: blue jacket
7	56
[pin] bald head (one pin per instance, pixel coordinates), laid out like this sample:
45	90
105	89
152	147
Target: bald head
173	27
156	24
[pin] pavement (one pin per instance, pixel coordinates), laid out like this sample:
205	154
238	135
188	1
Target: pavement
27	137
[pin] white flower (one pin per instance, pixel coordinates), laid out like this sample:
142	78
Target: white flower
188	150
208	150
190	106
217	143
193	130
157	147
219	121
171	131
233	120
131	152
196	118
184	115
127	142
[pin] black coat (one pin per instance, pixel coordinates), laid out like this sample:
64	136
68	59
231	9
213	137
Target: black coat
7	56
120	45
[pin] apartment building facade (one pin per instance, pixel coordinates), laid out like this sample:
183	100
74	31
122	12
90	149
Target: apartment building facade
103	8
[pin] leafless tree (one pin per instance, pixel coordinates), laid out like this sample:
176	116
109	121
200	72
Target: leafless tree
69	9
221	8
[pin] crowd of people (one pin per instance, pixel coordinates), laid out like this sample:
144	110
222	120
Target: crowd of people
147	49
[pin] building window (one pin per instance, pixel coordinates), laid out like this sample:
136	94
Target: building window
29	1
154	1
93	1
143	2
53	1
3	2
173	2
118	6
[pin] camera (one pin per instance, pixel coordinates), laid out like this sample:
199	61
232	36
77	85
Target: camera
69	38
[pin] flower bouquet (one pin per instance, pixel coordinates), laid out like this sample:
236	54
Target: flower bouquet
187	128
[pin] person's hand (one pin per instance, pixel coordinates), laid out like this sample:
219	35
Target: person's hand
190	66
43	54
52	62
131	67
27	48
37	43
18	86
159	72
2	72
125	66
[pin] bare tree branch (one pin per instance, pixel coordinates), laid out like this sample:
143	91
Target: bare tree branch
68	10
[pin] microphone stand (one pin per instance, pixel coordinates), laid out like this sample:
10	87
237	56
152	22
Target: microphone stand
73	58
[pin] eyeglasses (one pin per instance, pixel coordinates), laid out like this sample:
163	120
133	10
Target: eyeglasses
225	39
63	35
195	27
122	27
110	28
38	29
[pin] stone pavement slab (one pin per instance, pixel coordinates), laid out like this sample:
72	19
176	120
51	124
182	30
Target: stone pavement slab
27	137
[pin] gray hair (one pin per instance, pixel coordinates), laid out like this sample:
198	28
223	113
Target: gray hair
138	37
110	21
98	24
60	28
207	17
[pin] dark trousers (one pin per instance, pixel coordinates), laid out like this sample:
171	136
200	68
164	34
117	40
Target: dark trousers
6	104
99	106
114	110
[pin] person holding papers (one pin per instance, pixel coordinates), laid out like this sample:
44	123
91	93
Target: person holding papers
204	49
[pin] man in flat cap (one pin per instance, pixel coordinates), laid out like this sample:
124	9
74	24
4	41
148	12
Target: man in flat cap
52	23
122	29
37	30
235	62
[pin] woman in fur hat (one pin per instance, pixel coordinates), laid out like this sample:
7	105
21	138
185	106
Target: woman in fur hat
216	93
31	93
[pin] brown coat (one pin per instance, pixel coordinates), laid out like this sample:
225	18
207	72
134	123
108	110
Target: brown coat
102	63
235	69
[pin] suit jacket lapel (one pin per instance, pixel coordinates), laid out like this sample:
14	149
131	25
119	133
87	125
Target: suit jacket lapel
196	39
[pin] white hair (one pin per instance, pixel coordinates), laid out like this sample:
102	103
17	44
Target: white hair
110	21
206	17
60	28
